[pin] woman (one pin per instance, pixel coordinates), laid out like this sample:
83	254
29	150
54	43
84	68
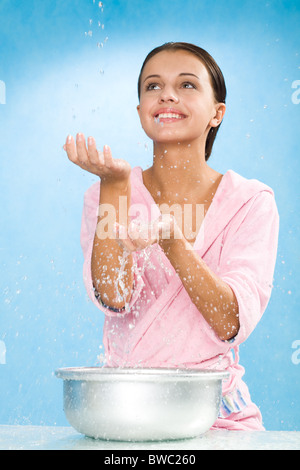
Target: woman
179	294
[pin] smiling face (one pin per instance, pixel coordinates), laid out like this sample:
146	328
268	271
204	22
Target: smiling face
177	101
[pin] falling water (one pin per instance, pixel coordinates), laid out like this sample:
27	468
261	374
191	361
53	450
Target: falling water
2	353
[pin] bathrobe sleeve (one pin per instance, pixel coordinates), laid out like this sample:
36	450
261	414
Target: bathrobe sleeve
248	259
87	234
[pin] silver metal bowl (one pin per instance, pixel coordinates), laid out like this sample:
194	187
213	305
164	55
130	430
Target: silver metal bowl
141	404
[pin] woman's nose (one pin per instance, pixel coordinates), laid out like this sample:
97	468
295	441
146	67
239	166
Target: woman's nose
168	95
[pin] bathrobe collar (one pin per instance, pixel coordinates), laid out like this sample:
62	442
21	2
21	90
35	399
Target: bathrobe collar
232	193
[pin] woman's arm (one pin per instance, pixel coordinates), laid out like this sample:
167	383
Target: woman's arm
111	266
212	296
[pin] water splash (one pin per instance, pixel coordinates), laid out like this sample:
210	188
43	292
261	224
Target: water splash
119	282
2	353
157	121
95	25
2	92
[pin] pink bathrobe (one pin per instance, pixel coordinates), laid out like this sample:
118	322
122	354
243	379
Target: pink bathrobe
161	327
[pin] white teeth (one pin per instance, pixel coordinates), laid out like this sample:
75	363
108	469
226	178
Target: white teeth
169	115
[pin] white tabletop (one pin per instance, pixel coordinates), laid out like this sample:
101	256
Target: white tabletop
66	438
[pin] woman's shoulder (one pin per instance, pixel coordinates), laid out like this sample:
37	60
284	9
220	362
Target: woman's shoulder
238	190
245	185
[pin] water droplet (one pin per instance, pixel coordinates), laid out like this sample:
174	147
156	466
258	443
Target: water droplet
2	353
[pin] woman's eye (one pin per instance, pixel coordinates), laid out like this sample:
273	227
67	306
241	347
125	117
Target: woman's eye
188	85
152	86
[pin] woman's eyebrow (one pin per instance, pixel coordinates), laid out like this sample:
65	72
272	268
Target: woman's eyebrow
151	76
191	74
180	75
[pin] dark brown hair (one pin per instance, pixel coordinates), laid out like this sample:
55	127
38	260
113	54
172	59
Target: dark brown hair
214	71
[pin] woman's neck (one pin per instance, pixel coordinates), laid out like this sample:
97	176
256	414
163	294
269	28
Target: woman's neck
179	169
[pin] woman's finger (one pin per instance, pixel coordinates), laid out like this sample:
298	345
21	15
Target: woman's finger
70	148
136	238
142	235
101	158
81	149
108	159
92	151
123	239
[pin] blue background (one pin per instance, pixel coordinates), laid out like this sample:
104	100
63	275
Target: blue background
64	74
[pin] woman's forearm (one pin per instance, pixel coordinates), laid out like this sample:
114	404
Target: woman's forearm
212	296
111	266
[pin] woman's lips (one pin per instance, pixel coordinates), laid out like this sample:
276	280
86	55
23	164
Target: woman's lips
168	115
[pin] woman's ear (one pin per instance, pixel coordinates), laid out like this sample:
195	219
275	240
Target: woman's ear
219	114
138	109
